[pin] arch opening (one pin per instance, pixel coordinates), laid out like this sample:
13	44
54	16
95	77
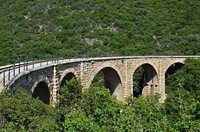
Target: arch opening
42	92
109	78
173	68
169	72
67	77
145	80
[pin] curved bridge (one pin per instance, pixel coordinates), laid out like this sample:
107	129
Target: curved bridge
42	79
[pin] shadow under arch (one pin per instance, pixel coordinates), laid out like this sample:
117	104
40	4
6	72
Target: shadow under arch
111	80
67	77
145	80
169	71
42	92
173	68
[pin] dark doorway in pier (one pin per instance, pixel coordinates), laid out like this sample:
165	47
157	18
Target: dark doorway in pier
109	78
66	78
168	79
42	92
145	80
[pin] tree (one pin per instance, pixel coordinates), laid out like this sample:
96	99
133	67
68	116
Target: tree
70	94
24	113
78	121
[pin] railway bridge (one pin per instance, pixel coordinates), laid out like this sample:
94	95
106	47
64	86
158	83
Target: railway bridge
43	78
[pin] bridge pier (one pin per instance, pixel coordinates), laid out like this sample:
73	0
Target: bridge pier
162	88
55	86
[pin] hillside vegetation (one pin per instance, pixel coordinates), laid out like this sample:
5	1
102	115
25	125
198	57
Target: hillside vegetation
84	28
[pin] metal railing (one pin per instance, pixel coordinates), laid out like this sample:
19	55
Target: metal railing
7	73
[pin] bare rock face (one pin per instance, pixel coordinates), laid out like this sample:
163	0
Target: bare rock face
92	41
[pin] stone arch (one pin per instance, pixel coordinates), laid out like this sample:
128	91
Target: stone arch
173	66
170	69
42	82
112	79
42	92
67	75
41	79
149	80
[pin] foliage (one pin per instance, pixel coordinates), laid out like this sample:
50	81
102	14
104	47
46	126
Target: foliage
183	99
188	77
137	81
3	121
70	94
147	115
78	121
22	112
182	109
98	79
84	28
103	108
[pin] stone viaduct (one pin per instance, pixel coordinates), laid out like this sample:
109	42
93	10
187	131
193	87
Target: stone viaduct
44	81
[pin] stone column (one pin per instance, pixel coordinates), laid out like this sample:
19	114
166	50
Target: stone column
82	75
162	89
128	80
54	87
162	81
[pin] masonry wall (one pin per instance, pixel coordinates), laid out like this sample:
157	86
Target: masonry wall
123	71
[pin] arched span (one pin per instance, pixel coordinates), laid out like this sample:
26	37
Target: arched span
176	64
112	81
42	92
67	75
145	80
173	67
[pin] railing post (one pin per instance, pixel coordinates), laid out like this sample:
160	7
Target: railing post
14	70
24	65
4	81
27	65
9	73
40	63
56	59
19	67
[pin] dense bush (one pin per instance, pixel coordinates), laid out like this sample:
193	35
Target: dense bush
42	29
21	112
